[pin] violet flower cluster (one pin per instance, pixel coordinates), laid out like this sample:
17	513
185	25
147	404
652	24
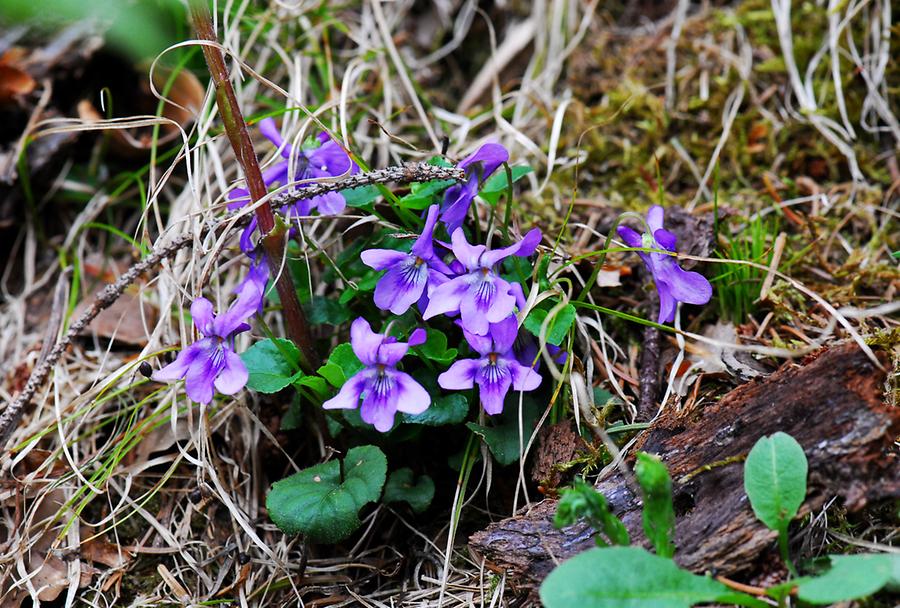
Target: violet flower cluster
471	287
459	279
468	286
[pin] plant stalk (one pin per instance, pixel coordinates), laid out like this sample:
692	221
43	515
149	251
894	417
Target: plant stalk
272	238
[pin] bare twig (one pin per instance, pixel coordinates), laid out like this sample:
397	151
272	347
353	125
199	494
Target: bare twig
421	172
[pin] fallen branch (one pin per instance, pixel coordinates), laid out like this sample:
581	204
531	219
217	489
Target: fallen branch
419	172
833	406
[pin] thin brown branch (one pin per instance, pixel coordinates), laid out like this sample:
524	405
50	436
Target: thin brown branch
236	128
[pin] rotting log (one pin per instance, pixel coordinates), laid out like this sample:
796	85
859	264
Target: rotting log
831	402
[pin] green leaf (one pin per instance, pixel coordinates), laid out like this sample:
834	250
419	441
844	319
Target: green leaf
497	184
435	348
775	479
424	194
271	365
360	197
316	503
630	576
314	383
659	514
582	501
503	438
449	409
559	326
342	364
850	577
400	488
321	310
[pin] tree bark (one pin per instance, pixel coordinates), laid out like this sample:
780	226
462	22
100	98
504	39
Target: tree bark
831	403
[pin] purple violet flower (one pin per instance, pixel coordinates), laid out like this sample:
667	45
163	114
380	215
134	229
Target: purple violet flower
410	277
478	167
211	361
327	160
257	276
383	388
495	371
673	284
480	295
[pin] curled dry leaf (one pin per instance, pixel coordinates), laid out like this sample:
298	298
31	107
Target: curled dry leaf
101	551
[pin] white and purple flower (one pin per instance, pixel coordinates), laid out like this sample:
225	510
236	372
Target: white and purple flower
211	361
495	371
383	389
328	159
673	284
478	167
410	277
480	294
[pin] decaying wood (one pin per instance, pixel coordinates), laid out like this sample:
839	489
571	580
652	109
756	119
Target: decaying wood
831	403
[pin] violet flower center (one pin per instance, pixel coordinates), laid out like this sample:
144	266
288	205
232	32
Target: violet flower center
383	384
495	371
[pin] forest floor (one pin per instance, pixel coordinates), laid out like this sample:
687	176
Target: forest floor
771	136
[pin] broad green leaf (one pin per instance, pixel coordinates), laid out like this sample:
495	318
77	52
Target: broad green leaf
360	197
559	326
400	487
582	501
503	438
497	184
271	366
658	514
316	503
435	348
850	577
617	577
775	479
449	409
342	364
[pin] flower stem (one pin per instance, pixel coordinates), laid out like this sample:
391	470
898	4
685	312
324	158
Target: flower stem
236	129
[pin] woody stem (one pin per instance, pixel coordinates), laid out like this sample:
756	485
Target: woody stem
272	238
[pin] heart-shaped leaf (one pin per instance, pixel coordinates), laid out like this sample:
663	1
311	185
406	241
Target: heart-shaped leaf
401	487
317	503
271	365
